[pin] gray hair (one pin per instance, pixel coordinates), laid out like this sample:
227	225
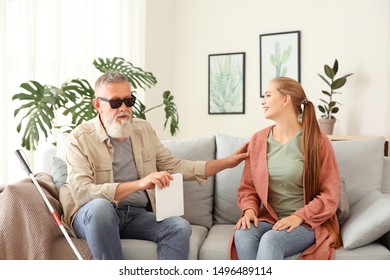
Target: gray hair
109	78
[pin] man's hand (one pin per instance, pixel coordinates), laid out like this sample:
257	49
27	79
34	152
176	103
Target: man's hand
239	155
289	223
161	179
245	221
216	165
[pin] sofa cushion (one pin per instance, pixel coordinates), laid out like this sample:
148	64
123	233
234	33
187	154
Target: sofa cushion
361	165
227	181
198	201
369	219
216	245
373	251
136	249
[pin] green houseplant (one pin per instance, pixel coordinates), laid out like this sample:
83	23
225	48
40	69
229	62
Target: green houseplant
40	103
329	106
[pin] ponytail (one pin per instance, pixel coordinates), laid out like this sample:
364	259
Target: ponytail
311	147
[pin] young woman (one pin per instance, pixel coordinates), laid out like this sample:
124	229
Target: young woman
289	190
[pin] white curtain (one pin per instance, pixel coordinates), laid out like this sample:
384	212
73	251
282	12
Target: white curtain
53	41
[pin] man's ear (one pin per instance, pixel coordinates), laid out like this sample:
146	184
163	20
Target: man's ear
96	104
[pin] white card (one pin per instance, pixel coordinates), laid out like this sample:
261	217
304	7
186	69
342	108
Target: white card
170	200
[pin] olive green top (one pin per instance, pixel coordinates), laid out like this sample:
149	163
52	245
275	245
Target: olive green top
285	169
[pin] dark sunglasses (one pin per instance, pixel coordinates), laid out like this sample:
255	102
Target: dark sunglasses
116	103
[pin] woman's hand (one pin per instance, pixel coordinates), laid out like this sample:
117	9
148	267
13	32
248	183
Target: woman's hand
245	221
289	223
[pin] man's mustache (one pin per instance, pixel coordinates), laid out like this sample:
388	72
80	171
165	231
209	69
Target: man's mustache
122	114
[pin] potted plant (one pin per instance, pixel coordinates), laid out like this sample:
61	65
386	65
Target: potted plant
330	106
40	103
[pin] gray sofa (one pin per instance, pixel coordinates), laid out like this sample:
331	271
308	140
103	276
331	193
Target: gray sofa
212	209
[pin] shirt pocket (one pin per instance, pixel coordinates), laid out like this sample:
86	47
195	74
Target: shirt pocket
102	172
147	155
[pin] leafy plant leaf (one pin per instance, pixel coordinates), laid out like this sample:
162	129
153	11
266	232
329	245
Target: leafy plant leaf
136	76
83	109
329	72
171	113
39	104
338	83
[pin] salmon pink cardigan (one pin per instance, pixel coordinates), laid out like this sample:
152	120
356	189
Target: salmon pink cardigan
253	193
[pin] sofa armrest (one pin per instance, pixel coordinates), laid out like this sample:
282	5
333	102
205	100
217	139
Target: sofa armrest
385	240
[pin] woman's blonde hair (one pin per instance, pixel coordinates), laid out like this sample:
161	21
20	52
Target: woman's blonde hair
311	141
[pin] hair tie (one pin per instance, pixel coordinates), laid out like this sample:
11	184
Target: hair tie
305	101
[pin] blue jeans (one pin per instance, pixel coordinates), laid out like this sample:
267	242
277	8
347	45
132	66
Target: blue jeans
103	226
264	243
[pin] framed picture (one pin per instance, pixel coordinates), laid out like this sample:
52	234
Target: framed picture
279	57
227	83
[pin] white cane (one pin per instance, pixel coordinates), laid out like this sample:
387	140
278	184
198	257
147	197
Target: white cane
52	211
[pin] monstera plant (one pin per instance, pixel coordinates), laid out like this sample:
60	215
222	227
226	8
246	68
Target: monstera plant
40	103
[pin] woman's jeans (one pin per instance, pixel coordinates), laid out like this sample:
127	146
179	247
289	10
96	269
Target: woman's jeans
264	243
103	226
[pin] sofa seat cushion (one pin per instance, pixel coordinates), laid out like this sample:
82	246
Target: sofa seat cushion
373	251
216	245
135	249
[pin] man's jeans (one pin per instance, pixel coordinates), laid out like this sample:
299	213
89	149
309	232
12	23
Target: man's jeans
264	243
103	227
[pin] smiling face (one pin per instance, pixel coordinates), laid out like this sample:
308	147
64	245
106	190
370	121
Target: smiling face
273	102
116	121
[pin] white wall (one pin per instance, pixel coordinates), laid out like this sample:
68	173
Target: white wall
180	34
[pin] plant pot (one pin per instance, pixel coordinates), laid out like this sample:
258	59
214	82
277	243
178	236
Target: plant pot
327	125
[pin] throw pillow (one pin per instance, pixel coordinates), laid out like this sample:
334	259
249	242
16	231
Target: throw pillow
368	220
227	181
343	208
361	165
59	171
198	200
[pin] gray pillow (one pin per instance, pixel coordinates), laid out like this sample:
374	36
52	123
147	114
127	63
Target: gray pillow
226	210
198	200
59	171
361	165
368	220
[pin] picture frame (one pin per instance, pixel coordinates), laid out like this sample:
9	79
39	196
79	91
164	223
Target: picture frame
280	55
226	83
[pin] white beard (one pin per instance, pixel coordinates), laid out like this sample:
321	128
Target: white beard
117	129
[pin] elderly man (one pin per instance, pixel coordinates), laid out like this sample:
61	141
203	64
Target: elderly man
114	162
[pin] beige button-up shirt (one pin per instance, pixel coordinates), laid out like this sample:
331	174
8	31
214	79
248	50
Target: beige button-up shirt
89	158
